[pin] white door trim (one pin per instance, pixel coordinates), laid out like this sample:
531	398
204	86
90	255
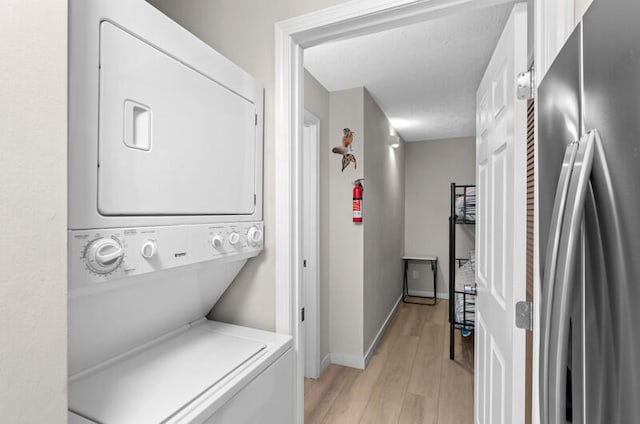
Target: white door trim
311	231
554	21
346	20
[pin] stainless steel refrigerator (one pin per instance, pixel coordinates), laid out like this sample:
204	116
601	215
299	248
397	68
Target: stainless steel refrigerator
589	221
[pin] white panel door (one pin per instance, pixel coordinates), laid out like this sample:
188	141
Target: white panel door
501	230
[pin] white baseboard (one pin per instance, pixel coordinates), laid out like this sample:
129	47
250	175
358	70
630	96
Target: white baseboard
378	338
325	363
441	295
345	360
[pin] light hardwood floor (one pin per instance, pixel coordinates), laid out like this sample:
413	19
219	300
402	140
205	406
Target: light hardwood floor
410	378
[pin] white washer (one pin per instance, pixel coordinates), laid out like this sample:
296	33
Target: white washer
209	373
140	347
165	208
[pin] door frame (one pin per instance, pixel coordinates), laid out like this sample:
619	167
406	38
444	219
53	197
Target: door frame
311	243
343	21
553	23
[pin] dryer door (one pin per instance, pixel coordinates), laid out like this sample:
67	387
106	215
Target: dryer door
172	141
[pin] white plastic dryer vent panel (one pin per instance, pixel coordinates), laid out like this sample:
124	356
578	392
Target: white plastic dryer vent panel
172	141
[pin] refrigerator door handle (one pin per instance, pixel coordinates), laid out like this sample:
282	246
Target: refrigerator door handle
549	273
560	283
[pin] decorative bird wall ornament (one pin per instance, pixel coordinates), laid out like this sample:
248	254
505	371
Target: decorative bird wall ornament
344	150
347	138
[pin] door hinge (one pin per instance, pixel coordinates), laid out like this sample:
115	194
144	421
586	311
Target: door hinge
302	314
525	85
524	315
256	120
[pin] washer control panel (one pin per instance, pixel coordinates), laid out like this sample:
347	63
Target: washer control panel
97	256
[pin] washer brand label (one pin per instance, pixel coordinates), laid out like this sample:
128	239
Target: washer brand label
180	254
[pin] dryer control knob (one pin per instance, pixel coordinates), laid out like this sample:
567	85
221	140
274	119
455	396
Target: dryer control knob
217	241
234	238
148	249
103	255
254	235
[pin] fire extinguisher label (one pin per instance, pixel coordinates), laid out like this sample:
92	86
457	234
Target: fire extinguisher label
357	210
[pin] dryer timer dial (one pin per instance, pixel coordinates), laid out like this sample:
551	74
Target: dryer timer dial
103	255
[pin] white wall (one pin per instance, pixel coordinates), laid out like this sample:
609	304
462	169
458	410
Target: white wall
243	31
383	220
346	260
581	6
431	166
33	211
316	101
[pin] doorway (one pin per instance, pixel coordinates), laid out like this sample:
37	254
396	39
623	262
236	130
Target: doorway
292	36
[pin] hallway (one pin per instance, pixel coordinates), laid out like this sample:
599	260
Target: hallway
410	378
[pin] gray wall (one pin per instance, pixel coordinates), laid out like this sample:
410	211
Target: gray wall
316	101
33	211
346	259
365	266
431	166
243	31
383	220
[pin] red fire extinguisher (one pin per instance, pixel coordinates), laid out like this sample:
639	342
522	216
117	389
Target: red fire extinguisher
357	200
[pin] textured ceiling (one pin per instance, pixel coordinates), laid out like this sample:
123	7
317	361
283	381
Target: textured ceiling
423	76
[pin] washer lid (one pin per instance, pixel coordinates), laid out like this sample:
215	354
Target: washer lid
152	385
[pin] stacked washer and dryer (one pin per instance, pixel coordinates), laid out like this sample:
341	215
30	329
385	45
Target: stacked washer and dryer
165	208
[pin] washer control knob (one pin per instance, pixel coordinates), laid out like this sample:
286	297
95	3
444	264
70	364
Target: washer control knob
148	249
254	235
217	241
234	238
104	255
